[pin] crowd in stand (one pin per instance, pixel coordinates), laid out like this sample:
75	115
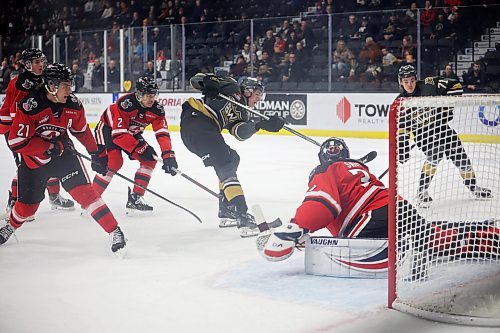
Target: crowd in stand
367	47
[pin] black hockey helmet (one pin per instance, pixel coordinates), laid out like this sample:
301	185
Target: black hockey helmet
146	85
250	84
55	74
332	150
406	71
28	55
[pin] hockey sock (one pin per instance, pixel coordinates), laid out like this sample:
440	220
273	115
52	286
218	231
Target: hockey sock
14	187
101	182
53	186
469	178
21	212
143	176
427	173
88	198
234	194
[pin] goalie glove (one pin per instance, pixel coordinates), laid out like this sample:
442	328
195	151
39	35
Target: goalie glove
279	244
273	124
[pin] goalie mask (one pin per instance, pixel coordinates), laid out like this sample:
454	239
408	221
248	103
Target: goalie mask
146	85
53	75
332	150
28	56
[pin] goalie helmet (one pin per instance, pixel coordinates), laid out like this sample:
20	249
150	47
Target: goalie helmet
250	84
406	71
332	150
146	85
28	55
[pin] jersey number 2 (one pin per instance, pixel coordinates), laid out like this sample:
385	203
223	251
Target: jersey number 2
365	180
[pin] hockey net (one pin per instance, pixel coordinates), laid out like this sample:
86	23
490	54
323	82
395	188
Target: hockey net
444	254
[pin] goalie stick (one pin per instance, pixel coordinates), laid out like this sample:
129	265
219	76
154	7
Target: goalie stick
144	188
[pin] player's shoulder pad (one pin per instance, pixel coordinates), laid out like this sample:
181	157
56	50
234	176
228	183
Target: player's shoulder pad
25	83
73	102
157	109
430	80
321	168
32	103
127	103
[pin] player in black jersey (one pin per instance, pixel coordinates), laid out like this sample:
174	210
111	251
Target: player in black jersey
431	132
202	121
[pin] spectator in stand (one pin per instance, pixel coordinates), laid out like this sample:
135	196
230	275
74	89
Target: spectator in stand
407	46
267	68
370	60
365	29
113	76
220	28
293	71
449	73
196	11
268	43
279	47
411	15
150	69
4	76
475	79
350	28
285	28
79	79
245	53
97	76
107	12
441	27
306	35
302	54
123	16
428	15
136	21
344	62
292	41
392	29
237	69
388	59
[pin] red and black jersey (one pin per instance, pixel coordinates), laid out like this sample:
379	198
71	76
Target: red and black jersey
38	122
338	194
127	117
18	88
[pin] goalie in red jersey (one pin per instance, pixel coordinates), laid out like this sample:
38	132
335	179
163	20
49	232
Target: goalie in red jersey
120	129
345	198
39	133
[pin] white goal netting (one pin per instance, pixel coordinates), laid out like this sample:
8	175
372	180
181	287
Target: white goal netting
445	192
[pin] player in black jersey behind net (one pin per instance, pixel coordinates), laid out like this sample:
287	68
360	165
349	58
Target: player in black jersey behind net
431	132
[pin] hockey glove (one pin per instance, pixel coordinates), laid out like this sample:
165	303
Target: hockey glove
280	243
273	124
99	161
211	87
59	146
169	163
145	152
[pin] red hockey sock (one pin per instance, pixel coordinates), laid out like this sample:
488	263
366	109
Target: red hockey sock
13	187
88	198
21	212
143	176
101	182
53	186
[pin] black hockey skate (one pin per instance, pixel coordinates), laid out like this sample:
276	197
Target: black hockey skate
227	215
247	226
5	232
10	204
118	240
60	203
424	199
481	192
137	205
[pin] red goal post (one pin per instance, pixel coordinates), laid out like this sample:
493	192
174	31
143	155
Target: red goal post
446	268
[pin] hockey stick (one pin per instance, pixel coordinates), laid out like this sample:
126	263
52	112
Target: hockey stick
197	183
291	130
144	188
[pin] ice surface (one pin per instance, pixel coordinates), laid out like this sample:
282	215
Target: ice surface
182	276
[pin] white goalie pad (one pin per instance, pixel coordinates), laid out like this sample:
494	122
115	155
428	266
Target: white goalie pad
348	258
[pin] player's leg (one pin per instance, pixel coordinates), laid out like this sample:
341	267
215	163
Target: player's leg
115	162
57	201
136	202
370	224
455	151
31	188
75	180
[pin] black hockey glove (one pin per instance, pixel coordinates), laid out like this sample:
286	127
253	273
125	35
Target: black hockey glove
211	87
169	162
146	152
404	147
99	161
273	124
59	146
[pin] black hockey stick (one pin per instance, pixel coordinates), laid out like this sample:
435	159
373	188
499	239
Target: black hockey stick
263	116
368	157
144	188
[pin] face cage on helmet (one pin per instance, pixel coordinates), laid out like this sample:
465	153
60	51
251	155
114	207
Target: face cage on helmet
141	94
28	63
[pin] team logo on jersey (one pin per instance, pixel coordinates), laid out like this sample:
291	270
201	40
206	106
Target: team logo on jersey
49	131
28	84
30	104
126	103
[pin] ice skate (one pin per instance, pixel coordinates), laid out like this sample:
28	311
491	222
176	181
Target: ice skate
227	215
247	226
118	240
481	192
10	204
60	203
5	232
424	199
137	205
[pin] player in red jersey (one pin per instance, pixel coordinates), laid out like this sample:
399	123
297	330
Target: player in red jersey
349	201
120	129
39	133
33	61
